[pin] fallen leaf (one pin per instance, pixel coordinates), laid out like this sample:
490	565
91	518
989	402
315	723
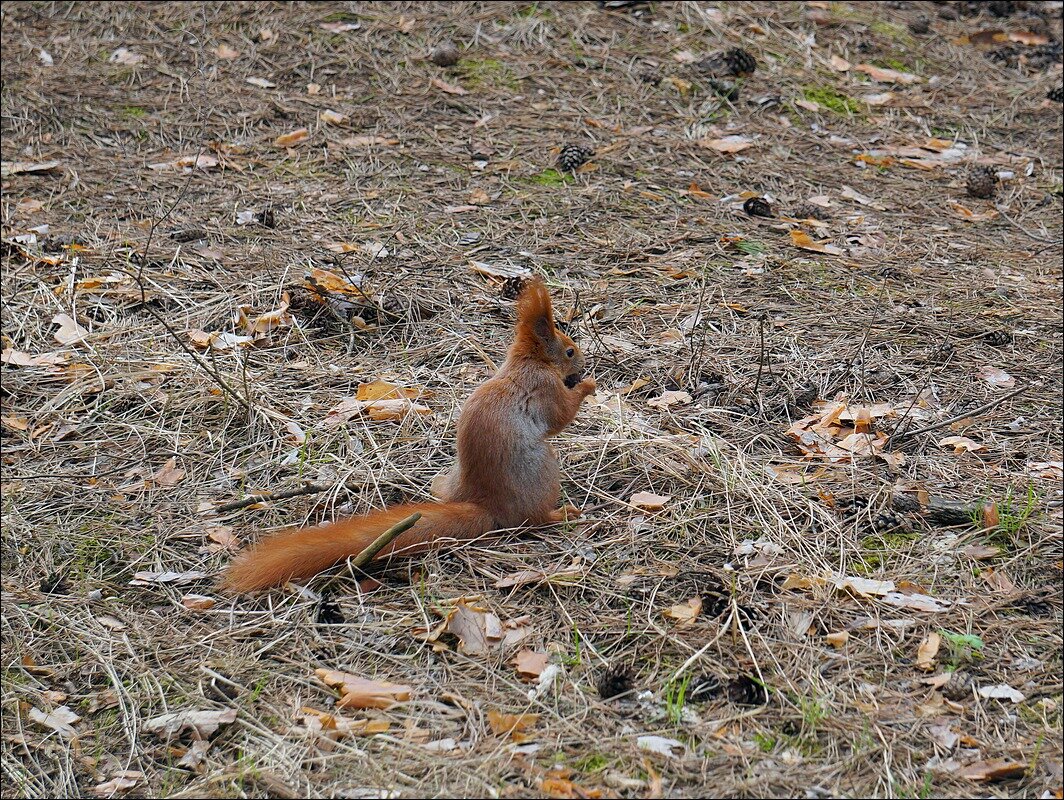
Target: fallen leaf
335	727
529	664
147	577
980	552
669	398
340	26
126	57
499	271
195	754
996	769
17	358
70	332
925	655
840	64
477	629
382	390
169	474
661	745
520	578
864	586
293	138
225	51
997	377
915	601
186	163
887	75
513	724
803	240
694	191
961	444
479	197
45	58
110	622
879	99
262	83
648	501
21	167
123	782
443	86
198	602
943	735
998	581
1053	470
61	720
685	613
968	215
837	639
728	144
796	581
369	140
808	105
333	117
202	724
358	692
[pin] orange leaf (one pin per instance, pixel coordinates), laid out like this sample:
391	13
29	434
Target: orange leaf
805	241
358	692
293	138
443	86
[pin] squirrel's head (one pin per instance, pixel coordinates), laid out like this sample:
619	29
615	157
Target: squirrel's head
539	337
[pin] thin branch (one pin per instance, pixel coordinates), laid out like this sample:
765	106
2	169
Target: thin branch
973	413
284	494
382	541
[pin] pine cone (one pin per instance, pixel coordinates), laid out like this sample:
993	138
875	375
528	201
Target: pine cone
572	156
997	338
982	182
958	687
745	691
757	207
734	63
1056	95
809	211
920	26
445	54
615	681
512	286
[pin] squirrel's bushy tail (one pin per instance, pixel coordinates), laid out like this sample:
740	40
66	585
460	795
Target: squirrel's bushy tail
302	554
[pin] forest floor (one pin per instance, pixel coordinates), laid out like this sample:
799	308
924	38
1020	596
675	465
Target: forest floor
221	221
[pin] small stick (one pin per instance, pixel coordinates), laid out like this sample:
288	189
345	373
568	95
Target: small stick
250	500
363	558
973	413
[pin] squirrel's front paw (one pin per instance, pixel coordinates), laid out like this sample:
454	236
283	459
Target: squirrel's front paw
565	513
587	386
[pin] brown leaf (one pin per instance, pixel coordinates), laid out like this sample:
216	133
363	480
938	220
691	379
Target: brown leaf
122	782
996	769
333	117
369	141
262	83
998	581
358	692
21	167
126	57
837	639
669	397
70	332
728	144
685	613
925	655
521	578
805	241
61	720
514	724
335	727
293	138
443	86
648	501
340	26
979	552
997	377
1028	38
198	602
186	164
477	629
17	358
968	215
202	724
382	390
961	444
529	664
225	51
887	75
169	474
840	64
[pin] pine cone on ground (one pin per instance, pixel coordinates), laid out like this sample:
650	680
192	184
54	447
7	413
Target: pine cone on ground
809	211
982	182
920	26
573	156
757	207
1056	95
958	687
512	286
733	63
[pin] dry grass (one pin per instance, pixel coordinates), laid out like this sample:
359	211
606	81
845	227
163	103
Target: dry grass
635	254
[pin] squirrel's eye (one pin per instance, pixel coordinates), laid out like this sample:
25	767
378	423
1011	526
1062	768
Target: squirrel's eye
570	353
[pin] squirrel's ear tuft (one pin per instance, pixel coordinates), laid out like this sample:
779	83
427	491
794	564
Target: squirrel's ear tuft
534	313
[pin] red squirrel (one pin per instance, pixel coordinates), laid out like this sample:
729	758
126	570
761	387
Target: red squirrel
506	475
